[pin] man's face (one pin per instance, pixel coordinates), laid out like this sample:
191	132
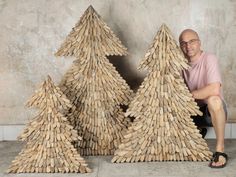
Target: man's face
190	44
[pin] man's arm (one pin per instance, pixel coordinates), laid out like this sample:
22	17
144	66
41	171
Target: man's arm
210	90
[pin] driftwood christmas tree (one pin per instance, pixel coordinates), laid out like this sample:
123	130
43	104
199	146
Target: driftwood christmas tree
163	129
94	86
49	136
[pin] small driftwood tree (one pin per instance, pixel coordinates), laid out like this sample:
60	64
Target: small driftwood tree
49	136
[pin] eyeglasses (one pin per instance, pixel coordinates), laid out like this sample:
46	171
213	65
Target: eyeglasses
191	42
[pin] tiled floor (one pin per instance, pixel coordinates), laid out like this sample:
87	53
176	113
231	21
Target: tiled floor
102	167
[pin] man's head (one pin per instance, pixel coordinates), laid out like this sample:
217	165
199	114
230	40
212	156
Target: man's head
190	44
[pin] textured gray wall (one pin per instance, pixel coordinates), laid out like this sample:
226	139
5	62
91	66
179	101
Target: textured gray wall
32	30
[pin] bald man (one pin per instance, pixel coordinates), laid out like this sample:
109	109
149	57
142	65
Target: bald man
204	82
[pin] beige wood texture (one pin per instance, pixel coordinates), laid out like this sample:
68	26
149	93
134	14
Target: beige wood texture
94	86
163	129
90	34
49	136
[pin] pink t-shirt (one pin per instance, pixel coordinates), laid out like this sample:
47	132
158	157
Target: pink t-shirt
202	72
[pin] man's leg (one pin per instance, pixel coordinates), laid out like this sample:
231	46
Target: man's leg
218	117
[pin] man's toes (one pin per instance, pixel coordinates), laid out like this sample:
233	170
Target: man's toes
218	164
213	164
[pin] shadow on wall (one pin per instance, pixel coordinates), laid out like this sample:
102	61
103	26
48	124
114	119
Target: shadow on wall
121	62
124	68
133	80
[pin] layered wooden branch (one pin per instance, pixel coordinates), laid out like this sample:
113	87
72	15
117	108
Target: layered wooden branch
91	32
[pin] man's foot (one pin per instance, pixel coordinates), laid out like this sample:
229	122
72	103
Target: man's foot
203	132
219	160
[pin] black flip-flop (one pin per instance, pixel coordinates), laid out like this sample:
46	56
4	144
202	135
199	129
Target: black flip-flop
215	158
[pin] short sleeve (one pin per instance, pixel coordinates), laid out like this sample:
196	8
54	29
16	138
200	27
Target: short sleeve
212	70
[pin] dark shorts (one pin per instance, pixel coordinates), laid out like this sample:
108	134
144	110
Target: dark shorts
205	119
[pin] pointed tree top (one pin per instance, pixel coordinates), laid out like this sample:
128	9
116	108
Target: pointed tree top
90	7
91	36
163	26
49	94
91	11
164	53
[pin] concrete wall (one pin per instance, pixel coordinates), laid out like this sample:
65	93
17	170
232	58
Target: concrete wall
32	30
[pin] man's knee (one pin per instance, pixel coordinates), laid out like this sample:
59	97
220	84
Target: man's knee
214	103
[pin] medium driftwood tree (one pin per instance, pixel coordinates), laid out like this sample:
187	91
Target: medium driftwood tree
94	86
163	129
49	136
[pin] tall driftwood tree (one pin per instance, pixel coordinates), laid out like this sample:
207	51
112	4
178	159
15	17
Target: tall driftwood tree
94	86
49	136
163	129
